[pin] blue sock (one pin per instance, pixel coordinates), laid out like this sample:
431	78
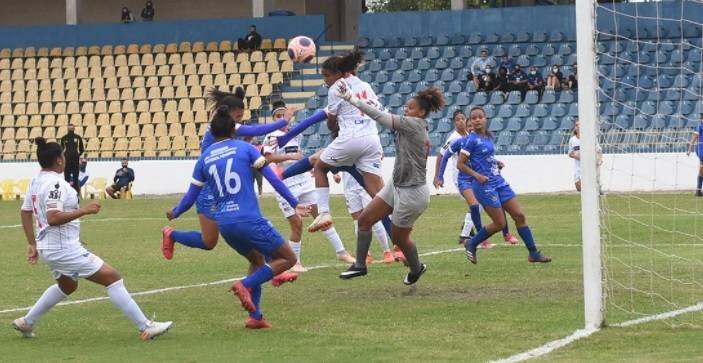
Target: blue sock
192	239
505	229
476	216
263	274
256	299
526	235
387	225
481	236
297	168
700	182
353	171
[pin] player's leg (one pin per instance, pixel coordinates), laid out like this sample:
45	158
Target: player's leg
295	240
301	166
109	277
699	184
401	238
512	207
256	318
374	212
331	235
508	237
359	201
110	190
408	206
53	295
473	217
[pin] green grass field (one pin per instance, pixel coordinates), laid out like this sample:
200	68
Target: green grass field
457	312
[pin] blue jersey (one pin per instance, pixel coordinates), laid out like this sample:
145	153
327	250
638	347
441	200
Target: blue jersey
208	140
226	169
481	153
700	138
455	148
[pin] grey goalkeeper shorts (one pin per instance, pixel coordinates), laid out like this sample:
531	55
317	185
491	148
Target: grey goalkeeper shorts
408	203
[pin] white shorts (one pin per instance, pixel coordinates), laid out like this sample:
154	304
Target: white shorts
75	262
577	175
305	192
357	200
364	152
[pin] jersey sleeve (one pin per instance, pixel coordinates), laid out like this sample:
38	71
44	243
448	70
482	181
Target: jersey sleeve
571	145
468	146
334	101
268	147
54	197
199	175
256	160
27	203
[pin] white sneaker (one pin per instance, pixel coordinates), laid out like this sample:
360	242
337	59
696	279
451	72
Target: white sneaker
298	268
322	222
346	257
23	327
154	329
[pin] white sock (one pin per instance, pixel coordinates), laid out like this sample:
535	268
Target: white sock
381	235
323	199
52	296
335	240
296	248
468	225
120	298
356	228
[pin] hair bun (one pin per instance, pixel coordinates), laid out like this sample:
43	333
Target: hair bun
40	141
239	92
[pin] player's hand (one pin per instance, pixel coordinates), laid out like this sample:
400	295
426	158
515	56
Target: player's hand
481	178
296	156
337	178
303	210
32	254
438	183
289	113
92	208
501	164
169	215
344	90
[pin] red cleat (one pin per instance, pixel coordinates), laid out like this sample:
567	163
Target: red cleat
244	296
388	257
167	242
252	323
369	259
398	254
511	240
486	245
286	276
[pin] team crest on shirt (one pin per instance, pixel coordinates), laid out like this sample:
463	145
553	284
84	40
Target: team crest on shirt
56	193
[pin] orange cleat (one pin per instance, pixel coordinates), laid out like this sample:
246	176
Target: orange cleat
283	277
486	245
252	323
244	296
167	242
388	257
398	254
511	240
369	259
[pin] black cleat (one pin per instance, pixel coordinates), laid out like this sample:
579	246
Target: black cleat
411	278
353	272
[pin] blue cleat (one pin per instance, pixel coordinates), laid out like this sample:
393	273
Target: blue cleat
471	253
538	257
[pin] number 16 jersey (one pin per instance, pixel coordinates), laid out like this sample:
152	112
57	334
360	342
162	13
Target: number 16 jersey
226	168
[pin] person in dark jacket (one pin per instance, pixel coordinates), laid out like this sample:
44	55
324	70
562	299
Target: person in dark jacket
252	41
127	16
148	12
123	177
72	145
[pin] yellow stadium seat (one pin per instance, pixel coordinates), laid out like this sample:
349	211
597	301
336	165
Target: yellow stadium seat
90	132
181	92
49	120
147	130
94	50
30	63
287	67
195	92
262	78
159	59
149	147
255	103
128	94
50	133
280	44
22	121
61	130
175	129
249	79
242	57
98	94
130	118
92	147
192	80
247	115
135	147
228	57
121	147
178	146
256	56
113	94
76	119
202	129
35	132
96	188
164	146
106	50
220	81
152	82
142	106
192	142
283	56
184	105
9	148
217	69
146	48
266	90
17	74
155	106
16	63
231	68
172	117
61	120
127	106
176	70
20	109
105	131
183	47
197	47
204	69
133	130
8	134
22	133
133	60
119	49
106	147
119	131
100	107
158	118
135	71
167	92
7	186
73	107
8	121
122	72
124	82
212	58
43	74
121	61
114	107
98	83
189	69
174	59
212	47
154	92
187	58
170	48
201	117
116	119
266	44
245	67
138	82
140	94
103	120
225	46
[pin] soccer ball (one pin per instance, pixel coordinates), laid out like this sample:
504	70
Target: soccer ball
301	49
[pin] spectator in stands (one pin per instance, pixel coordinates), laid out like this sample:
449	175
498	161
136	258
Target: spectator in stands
507	62
72	145
535	81
478	67
502	81
487	81
554	78
251	41
83	174
518	80
573	81
123	178
127	16
148	12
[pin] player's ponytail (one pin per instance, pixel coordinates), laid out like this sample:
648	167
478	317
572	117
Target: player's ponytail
231	100
47	152
430	100
221	125
331	64
351	61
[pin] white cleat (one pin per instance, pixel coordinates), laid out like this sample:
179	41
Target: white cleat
345	257
322	222
155	329
23	327
298	268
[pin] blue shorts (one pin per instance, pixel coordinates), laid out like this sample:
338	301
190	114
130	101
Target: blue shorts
489	196
206	203
250	235
700	155
464	184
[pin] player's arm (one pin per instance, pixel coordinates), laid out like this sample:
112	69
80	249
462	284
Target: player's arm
260	130
694	140
395	122
28	228
442	162
55	214
189	198
463	165
318	116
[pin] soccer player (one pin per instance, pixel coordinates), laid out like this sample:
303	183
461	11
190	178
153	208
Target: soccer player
205	206
301	186
54	205
407	195
357	199
477	159
696	140
357	142
575	153
226	167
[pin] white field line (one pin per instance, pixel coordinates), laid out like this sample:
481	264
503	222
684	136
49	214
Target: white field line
661	316
548	347
202	284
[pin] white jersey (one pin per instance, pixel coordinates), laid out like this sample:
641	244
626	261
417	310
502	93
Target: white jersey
292	147
50	192
352	122
453	160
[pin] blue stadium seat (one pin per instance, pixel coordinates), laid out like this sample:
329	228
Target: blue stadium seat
378	42
381	77
398	76
411	42
629	108
456	87
458	39
441	85
442	40
557	60
539	37
475	38
391	65
570	59
396	100
389	88
407	65
401	53
678	122
499	51
667	108
415	76
523	138
649	108
640	122
366	76
313	103
549	123
691	93
490	111
457	63
424	64
447	75
567	123
659	122
426	40
507	37
433	53
441	63
540	138
539	61
506	111
677	57
523	61
466	51
541	110
505	138
548	50
448	98
567	96
681	81
673	94
661	57
515	51
394	42
492	38
444	125
514	124
321	90
363	42
523	110
514	97
532	50
532	124
375	65
523	37
449	52
573	109
686	108
565	49
436	115
370	54
623	121
417	53
386	139
611	109
691	31
694	55
384	54
480	98
405	88
496	124
389	151
462	99
549	96
556	37
558	110
497	98
419	86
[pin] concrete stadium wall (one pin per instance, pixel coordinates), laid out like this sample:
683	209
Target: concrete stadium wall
98	11
27	12
157	32
527	174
